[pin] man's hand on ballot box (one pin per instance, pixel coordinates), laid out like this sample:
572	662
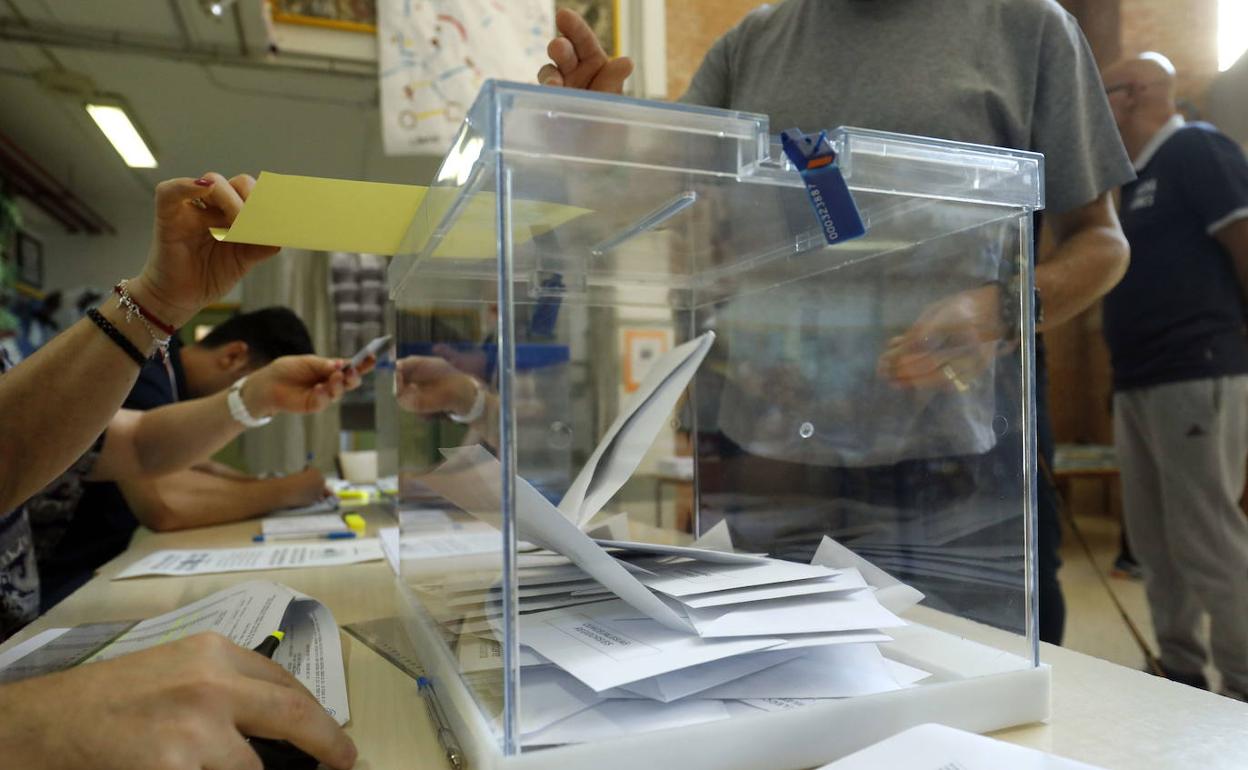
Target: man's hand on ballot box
952	343
431	385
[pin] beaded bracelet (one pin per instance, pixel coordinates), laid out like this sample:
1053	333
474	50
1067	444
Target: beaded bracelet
133	309
116	336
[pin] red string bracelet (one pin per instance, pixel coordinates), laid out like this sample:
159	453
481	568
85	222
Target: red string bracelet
127	300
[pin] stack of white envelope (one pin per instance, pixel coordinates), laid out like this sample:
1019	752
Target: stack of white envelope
620	637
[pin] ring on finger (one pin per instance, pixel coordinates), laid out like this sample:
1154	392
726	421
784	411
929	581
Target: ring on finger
952	376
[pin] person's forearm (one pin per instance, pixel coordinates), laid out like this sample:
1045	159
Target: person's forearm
57	402
190	499
180	435
1090	258
1234	238
167	439
223	470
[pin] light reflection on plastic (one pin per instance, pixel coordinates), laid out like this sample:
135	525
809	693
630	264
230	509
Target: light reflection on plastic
458	164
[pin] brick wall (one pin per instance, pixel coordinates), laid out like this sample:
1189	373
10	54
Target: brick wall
692	26
1184	30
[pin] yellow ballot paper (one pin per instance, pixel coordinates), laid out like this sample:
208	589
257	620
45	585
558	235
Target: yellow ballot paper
371	217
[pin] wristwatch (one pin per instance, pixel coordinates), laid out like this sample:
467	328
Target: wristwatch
238	410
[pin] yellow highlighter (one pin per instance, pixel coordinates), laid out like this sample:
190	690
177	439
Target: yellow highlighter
355	522
353	495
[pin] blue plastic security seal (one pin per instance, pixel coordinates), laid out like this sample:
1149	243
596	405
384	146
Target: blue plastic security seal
829	195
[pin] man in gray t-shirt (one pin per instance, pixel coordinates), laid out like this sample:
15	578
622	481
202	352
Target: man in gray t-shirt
1010	73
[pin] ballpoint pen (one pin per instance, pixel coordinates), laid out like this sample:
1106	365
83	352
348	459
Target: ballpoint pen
304	536
446	738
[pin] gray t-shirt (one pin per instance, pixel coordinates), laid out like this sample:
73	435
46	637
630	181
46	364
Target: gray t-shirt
1009	73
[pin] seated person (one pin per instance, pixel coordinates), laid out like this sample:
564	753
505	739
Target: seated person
72	541
192	701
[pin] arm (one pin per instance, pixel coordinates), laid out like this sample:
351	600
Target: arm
1234	238
61	399
222	470
953	340
192	498
175	437
1089	259
428	385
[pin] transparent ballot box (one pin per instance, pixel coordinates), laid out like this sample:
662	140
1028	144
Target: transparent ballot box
681	485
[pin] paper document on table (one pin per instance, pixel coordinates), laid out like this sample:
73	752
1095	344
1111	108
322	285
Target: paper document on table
472	479
58	649
633	432
324	505
321	214
314	524
937	747
245	614
260	557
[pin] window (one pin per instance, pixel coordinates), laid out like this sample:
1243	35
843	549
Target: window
1232	32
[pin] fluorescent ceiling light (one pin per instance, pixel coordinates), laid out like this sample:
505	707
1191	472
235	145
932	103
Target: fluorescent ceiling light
125	138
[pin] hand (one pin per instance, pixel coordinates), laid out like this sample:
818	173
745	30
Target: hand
300	384
951	343
186	704
187	268
428	385
303	488
580	61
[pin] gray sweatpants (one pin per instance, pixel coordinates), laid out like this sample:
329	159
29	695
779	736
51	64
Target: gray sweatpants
1183	448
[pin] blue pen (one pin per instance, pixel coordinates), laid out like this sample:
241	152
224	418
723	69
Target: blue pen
303	536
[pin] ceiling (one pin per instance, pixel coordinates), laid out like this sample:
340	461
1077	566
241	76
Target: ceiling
202	91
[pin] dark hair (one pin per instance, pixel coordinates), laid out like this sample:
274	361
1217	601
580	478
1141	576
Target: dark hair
270	333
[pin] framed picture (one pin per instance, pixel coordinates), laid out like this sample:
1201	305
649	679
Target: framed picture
642	347
29	262
603	16
348	15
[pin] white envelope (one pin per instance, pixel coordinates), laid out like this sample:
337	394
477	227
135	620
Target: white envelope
472	479
701	554
603	652
930	747
690	681
548	695
891	592
845	580
687	577
633	432
840	671
802	615
613	718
